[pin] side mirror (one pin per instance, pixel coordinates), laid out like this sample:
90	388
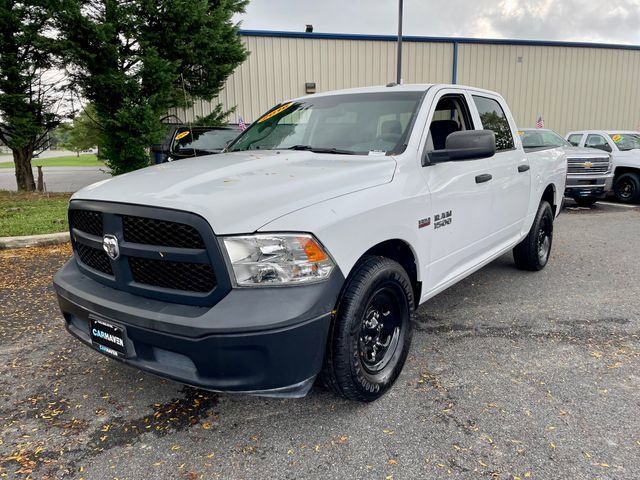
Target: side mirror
465	145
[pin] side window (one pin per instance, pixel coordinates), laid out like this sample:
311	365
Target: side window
451	115
597	141
575	139
493	118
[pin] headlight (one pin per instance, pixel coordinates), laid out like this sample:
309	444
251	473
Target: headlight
277	259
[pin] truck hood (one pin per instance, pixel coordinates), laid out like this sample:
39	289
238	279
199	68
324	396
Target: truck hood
585	152
241	191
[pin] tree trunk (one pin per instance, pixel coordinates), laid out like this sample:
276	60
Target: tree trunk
24	172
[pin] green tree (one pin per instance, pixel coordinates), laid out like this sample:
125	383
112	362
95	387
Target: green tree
84	133
500	126
135	59
29	89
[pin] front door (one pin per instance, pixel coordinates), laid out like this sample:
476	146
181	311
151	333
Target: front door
460	197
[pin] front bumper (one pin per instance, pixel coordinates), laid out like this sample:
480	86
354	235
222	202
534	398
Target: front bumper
588	185
268	341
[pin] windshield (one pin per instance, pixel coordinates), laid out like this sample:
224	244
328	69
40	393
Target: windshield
187	140
542	138
362	123
626	141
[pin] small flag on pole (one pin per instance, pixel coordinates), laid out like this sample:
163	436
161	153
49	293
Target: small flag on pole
241	125
540	122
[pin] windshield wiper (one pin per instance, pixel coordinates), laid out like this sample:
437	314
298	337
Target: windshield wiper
333	150
195	151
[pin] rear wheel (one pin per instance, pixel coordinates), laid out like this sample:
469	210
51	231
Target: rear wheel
371	333
533	252
627	188
585	201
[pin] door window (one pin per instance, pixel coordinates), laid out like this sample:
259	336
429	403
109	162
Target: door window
451	115
597	141
493	118
575	139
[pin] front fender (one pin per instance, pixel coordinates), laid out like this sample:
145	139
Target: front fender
350	225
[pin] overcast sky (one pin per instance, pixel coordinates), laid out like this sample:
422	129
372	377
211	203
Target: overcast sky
613	21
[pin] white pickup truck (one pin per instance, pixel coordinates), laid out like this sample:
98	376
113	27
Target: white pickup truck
624	147
304	248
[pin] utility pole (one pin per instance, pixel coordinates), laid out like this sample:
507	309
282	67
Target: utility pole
399	59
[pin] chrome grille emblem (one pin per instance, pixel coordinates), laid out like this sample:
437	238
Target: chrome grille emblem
110	245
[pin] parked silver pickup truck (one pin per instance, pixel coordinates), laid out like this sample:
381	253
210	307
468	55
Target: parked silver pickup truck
624	147
589	171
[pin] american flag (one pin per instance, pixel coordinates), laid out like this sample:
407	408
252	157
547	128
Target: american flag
540	122
241	125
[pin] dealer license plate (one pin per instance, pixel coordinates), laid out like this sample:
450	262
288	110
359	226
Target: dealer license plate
107	337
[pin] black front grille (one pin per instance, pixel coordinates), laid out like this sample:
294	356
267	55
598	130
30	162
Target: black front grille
151	231
94	258
87	221
191	277
165	254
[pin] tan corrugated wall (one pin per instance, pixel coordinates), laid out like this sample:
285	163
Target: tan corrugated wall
278	68
572	88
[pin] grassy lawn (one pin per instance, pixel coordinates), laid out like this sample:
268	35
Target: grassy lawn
32	213
85	160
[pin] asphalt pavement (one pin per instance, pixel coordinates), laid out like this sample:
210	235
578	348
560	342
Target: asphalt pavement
58	179
511	375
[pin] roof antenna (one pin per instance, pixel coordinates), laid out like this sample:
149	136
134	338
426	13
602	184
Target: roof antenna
399	53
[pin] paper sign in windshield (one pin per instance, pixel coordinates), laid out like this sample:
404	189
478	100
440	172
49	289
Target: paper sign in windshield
275	112
617	138
182	135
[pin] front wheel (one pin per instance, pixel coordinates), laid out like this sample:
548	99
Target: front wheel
533	252
371	332
627	188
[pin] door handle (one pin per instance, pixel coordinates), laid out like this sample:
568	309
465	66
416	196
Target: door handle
485	177
523	168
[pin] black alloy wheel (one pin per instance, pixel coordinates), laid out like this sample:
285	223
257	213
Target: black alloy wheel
371	332
627	188
545	233
380	329
533	252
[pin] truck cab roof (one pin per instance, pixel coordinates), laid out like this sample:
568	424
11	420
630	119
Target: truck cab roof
405	87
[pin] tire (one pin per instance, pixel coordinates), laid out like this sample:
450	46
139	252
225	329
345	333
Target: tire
533	252
585	201
364	353
627	188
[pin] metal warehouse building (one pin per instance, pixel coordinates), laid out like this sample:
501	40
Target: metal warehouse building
572	85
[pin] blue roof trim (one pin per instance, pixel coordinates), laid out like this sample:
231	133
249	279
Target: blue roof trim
410	38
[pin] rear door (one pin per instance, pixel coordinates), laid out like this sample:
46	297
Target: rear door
509	169
461	201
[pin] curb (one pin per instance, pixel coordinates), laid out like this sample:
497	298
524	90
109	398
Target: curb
34	240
